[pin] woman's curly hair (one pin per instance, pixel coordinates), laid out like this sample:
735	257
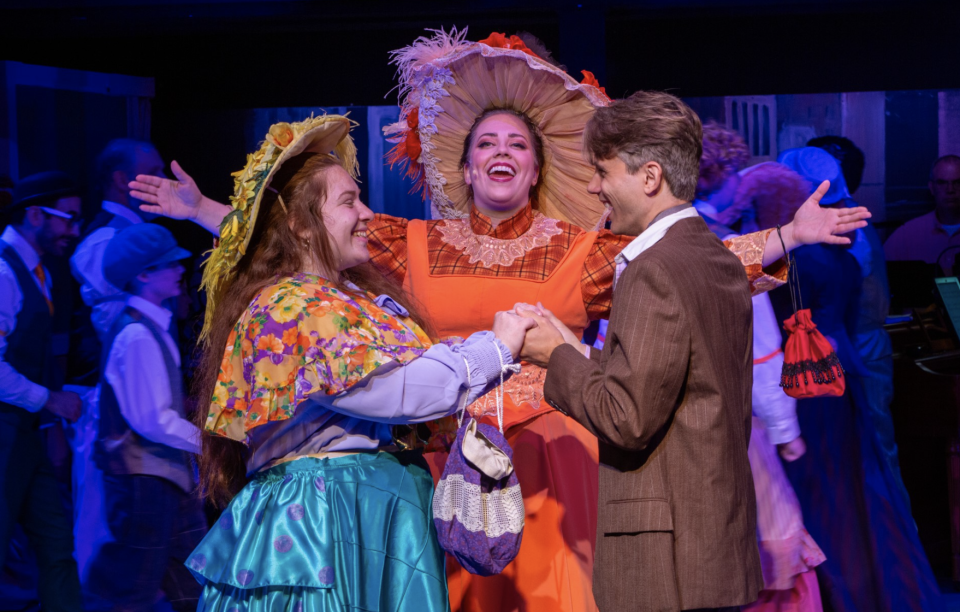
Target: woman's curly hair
724	153
774	191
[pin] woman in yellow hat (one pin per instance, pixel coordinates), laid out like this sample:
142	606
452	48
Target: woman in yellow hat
310	357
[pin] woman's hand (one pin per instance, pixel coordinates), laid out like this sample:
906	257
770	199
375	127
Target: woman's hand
540	341
814	224
511	330
568	336
179	199
792	450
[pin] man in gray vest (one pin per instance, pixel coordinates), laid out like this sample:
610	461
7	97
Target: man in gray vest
43	220
145	442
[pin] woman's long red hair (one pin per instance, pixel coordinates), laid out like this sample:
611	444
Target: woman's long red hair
276	251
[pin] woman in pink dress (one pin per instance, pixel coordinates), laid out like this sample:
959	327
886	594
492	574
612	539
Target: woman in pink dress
788	553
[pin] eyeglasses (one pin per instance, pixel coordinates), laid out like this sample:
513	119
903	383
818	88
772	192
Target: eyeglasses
72	219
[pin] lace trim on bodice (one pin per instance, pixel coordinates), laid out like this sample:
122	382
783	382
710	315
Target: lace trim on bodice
495	251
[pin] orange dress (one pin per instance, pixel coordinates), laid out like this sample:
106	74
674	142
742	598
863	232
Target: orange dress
464	271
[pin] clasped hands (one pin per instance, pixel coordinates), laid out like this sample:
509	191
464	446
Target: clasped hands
532	333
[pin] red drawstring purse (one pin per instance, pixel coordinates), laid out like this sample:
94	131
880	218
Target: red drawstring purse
811	367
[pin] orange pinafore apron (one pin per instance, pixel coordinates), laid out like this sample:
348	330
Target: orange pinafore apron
556	460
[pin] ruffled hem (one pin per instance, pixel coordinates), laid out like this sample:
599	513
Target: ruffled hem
783	560
358	526
269	599
270	534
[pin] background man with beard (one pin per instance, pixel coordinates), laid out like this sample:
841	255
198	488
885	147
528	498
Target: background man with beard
43	219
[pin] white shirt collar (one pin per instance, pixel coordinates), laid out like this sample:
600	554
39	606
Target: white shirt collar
654	233
158	314
23	248
120	210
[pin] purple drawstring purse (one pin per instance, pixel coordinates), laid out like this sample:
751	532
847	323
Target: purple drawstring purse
477	507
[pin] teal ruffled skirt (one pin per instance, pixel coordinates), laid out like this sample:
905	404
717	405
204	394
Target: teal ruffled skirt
315	535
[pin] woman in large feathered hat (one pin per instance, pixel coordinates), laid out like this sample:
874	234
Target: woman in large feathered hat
492	132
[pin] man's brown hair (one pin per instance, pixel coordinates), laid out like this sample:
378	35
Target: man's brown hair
650	126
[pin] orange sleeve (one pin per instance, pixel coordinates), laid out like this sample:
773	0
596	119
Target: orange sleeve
596	283
387	243
749	248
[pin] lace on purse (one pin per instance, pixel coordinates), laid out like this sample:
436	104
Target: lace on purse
478	507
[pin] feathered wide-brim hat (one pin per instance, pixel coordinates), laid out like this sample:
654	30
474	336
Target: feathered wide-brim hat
446	82
325	134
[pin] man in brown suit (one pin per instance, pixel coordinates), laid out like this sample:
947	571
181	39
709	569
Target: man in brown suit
669	396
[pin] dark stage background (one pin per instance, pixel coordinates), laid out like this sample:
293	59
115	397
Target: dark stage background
212	61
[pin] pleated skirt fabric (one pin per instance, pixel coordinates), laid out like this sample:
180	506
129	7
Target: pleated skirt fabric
786	548
327	535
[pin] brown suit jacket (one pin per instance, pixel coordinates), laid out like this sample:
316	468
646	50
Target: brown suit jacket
669	398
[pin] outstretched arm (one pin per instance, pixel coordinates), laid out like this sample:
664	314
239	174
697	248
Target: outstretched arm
813	224
179	199
759	252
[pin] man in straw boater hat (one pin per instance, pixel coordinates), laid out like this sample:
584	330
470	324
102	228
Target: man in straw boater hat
492	132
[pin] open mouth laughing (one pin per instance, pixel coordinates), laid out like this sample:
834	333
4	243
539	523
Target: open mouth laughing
501	172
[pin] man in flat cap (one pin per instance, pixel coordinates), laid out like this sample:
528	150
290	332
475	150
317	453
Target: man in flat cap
144	441
43	219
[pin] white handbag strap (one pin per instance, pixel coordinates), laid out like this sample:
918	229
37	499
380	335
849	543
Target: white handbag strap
498	393
515	368
466	396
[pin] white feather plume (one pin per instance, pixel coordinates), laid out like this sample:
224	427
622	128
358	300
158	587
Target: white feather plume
425	51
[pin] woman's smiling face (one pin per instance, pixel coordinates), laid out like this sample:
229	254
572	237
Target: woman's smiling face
345	218
501	166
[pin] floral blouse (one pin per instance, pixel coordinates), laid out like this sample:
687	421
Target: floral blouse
299	336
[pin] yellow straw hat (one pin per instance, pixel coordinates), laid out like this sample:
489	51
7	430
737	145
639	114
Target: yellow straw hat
446	82
324	134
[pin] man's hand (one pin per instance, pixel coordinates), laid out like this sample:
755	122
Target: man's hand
65	404
541	340
792	450
568	336
510	329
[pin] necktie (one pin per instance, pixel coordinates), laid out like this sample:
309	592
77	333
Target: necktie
42	277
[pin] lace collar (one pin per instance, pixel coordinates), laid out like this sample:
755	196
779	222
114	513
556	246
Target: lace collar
492	246
514	227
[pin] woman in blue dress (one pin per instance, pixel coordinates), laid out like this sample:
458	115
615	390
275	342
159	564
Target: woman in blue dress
310	358
852	502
